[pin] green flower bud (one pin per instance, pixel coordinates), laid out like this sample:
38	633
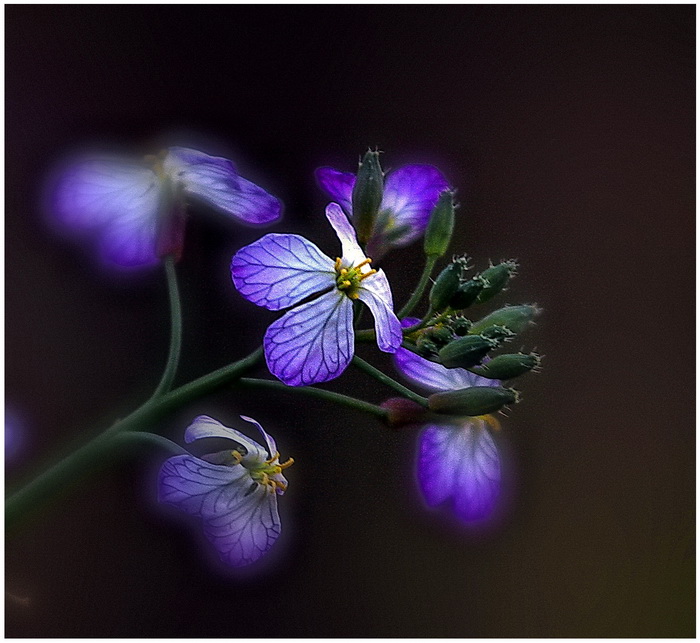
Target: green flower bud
500	333
442	222
460	325
468	292
466	351
446	284
426	347
367	195
476	400
514	318
505	367
439	335
497	277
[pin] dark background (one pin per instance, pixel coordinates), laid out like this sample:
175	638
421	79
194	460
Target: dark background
569	131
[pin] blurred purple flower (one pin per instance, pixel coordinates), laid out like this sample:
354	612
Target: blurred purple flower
135	209
457	459
315	341
410	193
233	492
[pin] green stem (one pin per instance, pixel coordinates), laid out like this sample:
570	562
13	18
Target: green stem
166	381
430	262
145	437
385	379
92	453
330	396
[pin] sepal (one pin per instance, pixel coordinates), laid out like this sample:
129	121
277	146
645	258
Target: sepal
477	400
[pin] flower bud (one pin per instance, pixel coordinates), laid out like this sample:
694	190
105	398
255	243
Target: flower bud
466	351
446	284
440	226
505	367
460	325
476	400
367	195
426	347
496	277
468	292
439	335
514	318
403	412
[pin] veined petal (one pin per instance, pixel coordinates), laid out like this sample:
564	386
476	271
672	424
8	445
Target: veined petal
130	240
216	181
338	185
240	516
352	253
269	440
460	462
280	270
313	342
410	193
376	293
204	426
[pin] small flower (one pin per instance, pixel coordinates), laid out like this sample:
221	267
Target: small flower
136	209
233	492
315	341
410	193
457	458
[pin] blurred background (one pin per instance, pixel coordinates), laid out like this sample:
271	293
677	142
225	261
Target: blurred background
569	133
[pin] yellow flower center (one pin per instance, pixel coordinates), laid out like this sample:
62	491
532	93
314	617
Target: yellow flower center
348	280
265	472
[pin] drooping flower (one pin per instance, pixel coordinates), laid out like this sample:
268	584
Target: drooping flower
410	194
136	210
314	342
234	492
457	458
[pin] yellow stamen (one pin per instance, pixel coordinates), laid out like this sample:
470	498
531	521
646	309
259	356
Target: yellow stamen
346	283
343	271
338	262
287	464
273	458
368	274
491	421
354	295
237	457
363	263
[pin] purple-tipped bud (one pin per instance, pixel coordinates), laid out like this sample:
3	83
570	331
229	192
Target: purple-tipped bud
402	412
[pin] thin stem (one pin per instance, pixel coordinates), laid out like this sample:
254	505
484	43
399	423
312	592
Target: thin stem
385	379
92	453
338	398
430	261
166	381
145	437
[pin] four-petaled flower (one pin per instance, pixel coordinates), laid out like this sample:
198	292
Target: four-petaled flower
314	342
457	458
234	492
410	193
135	209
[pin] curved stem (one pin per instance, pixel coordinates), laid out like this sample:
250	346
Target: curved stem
330	396
385	379
430	262
145	437
92	453
166	381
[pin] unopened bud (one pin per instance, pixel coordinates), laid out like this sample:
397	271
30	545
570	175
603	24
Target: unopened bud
497	277
466	351
477	400
514	318
506	367
460	326
446	284
426	347
439	335
403	412
468	292
367	195
438	234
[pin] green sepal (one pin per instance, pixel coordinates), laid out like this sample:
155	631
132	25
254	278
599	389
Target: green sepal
476	400
513	318
446	284
496	277
438	234
468	292
466	351
506	367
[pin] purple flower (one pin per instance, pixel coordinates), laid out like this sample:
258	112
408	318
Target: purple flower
135	209
315	341
410	193
233	492
457	459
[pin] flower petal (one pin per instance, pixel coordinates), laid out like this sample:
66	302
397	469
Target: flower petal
338	185
204	426
130	240
216	181
312	343
269	440
280	270
436	377
376	293
410	193
461	462
352	253
240	516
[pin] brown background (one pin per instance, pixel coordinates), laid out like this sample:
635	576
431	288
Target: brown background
569	133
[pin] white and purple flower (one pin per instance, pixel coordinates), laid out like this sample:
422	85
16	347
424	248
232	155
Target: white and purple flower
130	207
234	492
410	194
315	341
457	458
